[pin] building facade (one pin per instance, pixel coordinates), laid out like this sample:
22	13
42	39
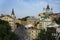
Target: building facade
22	22
32	33
46	18
11	19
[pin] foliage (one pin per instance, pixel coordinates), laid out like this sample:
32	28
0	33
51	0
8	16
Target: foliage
45	35
25	18
57	20
5	31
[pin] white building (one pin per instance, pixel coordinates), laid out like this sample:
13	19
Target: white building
45	22
45	19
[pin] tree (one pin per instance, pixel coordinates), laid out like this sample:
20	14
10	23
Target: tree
45	35
5	31
57	20
25	18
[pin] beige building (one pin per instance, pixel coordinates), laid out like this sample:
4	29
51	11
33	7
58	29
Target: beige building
32	33
10	19
31	21
38	26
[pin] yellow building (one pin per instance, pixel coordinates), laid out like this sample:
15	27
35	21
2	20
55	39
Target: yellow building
18	21
41	14
22	22
31	20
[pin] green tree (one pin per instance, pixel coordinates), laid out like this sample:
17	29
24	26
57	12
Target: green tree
57	20
25	18
5	31
45	35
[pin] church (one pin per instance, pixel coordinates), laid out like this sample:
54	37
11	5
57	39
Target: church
46	19
11	19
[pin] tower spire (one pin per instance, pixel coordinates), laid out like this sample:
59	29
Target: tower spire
48	7
13	12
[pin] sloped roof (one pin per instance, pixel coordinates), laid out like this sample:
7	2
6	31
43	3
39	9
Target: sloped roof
5	15
29	25
53	25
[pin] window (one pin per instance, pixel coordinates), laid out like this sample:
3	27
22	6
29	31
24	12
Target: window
32	31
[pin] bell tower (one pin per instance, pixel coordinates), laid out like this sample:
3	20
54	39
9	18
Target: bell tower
48	11
14	20
12	14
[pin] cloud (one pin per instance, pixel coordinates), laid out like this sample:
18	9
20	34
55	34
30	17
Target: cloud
33	8
28	7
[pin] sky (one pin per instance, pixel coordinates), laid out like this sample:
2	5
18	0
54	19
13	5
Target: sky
24	8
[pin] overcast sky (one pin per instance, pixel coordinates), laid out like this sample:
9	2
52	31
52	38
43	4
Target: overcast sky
24	8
